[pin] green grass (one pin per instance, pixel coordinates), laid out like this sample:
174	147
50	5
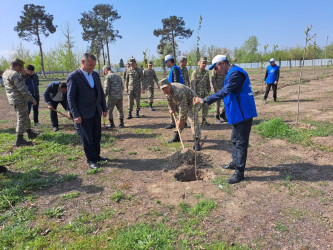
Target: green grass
222	184
94	171
132	153
70	196
56	212
118	196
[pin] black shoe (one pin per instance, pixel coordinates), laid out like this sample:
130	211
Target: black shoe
237	177
205	123
129	115
170	126
121	125
111	125
231	165
175	138
196	144
137	114
37	124
32	134
224	117
151	108
93	165
3	169
185	126
21	142
274	99
55	129
103	159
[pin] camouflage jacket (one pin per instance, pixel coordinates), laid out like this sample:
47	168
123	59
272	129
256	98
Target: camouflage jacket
182	97
134	79
185	76
16	89
113	86
124	74
217	80
150	77
200	83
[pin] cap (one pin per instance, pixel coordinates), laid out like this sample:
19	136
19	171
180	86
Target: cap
183	59
128	64
132	60
18	62
203	59
150	63
167	58
164	83
271	60
217	59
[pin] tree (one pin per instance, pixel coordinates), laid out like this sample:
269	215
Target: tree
173	27
68	55
121	63
33	23
198	39
98	24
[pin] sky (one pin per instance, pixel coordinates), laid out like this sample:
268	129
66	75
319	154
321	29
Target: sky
224	24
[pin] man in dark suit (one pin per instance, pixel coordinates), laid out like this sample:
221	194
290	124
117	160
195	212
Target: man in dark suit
87	103
55	93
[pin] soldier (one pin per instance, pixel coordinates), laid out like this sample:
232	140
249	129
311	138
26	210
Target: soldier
218	83
128	66
200	84
184	70
134	84
180	96
113	88
150	77
19	96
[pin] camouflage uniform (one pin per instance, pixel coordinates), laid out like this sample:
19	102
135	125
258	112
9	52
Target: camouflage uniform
150	77
185	76
18	96
200	84
125	72
134	79
218	83
182	97
113	88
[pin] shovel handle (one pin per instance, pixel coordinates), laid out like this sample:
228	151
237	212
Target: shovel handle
180	137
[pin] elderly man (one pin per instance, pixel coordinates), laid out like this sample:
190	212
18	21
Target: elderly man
150	78
200	84
240	109
113	89
19	96
86	101
134	87
180	96
271	78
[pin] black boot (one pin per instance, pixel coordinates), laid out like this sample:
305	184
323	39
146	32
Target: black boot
121	125
151	107
237	177
218	119
205	123
129	115
3	169
137	114
32	134
21	142
170	126
175	138
197	144
223	116
231	165
111	125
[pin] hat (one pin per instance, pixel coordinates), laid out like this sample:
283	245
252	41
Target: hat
150	63
167	58
203	59
183	59
128	64
271	60
132	60
18	62
164	83
217	59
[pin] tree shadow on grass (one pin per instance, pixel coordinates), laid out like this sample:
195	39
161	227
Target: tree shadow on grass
295	172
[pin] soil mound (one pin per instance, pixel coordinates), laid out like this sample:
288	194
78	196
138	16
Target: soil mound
187	157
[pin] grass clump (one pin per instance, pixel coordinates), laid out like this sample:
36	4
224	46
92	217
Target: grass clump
56	212
118	196
275	128
70	196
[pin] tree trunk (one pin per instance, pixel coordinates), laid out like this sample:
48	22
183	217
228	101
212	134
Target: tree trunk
173	47
107	50
41	55
103	54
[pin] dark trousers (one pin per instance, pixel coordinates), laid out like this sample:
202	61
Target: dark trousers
90	132
34	108
54	115
240	141
268	88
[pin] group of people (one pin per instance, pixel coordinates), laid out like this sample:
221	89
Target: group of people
84	99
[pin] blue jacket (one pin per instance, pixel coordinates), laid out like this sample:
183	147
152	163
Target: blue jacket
51	90
32	83
84	101
241	106
170	79
272	74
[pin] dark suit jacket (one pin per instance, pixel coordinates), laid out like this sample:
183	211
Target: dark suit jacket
51	90
82	99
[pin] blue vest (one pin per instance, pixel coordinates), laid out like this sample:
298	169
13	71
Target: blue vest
180	75
240	107
271	74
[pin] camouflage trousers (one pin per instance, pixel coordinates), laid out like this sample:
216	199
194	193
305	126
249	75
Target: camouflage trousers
151	95
119	105
23	119
204	109
134	94
217	108
193	117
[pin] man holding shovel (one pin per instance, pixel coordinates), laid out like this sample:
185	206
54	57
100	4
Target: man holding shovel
240	109
181	96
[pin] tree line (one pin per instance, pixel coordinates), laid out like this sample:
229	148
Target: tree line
98	30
